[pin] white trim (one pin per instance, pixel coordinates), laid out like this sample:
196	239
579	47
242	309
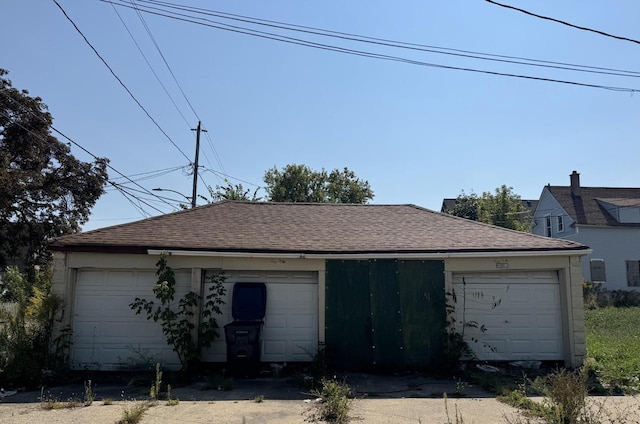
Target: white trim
372	255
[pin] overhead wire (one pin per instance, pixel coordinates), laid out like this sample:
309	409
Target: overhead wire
175	79
379	56
396	44
153	39
119	80
583	28
75	143
357	37
175	105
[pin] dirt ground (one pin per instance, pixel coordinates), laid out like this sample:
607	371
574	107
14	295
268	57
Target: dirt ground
379	399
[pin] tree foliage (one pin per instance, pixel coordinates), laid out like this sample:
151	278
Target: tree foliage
45	191
502	208
299	183
179	321
233	192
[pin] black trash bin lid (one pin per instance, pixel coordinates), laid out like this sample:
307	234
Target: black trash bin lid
249	301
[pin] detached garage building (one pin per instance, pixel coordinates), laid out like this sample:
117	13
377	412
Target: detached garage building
367	282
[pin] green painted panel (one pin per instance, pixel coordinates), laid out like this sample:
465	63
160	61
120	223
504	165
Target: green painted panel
422	301
348	315
386	320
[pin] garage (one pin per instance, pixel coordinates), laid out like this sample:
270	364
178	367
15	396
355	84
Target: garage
107	335
290	331
367	282
102	313
520	311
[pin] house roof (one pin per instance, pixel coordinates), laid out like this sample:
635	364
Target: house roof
585	208
449	204
234	226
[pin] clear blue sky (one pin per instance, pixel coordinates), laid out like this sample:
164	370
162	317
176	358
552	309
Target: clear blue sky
417	134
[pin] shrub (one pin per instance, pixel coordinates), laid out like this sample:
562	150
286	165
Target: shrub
333	403
27	347
177	324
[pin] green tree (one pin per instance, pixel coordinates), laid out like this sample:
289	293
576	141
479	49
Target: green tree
504	209
466	206
233	192
45	191
299	183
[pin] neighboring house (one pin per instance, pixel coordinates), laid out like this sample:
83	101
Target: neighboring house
606	219
449	204
368	283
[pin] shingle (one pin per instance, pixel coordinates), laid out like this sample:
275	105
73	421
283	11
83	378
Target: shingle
586	210
308	228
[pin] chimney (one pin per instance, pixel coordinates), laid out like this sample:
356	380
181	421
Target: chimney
575	184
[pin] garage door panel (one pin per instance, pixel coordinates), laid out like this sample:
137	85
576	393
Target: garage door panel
105	329
290	331
520	310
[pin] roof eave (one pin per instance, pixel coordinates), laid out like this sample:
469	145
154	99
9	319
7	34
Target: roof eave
578	251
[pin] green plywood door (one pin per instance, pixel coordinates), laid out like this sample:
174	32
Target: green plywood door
384	314
422	300
348	315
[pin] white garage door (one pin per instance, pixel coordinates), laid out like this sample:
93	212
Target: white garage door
107	335
520	310
290	331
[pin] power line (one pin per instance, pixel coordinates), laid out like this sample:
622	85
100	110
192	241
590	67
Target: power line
563	22
391	43
153	39
119	80
149	64
154	174
95	157
371	55
175	79
213	171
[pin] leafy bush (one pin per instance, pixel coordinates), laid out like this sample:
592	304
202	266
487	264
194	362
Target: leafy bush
177	324
27	348
333	402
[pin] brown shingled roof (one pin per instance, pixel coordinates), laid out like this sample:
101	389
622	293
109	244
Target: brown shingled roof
232	226
586	210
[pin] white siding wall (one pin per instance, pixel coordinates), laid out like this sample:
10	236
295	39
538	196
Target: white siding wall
549	206
615	246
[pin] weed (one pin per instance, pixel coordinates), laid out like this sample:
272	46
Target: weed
332	404
133	415
458	416
89	394
107	401
461	387
259	399
171	402
154	392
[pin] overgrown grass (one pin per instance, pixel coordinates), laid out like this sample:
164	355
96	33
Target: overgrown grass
133	414
613	341
333	403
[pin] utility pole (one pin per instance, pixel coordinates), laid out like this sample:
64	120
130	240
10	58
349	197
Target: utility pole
195	165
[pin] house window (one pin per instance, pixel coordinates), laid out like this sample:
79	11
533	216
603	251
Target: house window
633	273
560	223
598	274
547	225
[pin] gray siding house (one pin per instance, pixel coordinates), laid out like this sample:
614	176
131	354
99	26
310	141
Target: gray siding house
603	218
